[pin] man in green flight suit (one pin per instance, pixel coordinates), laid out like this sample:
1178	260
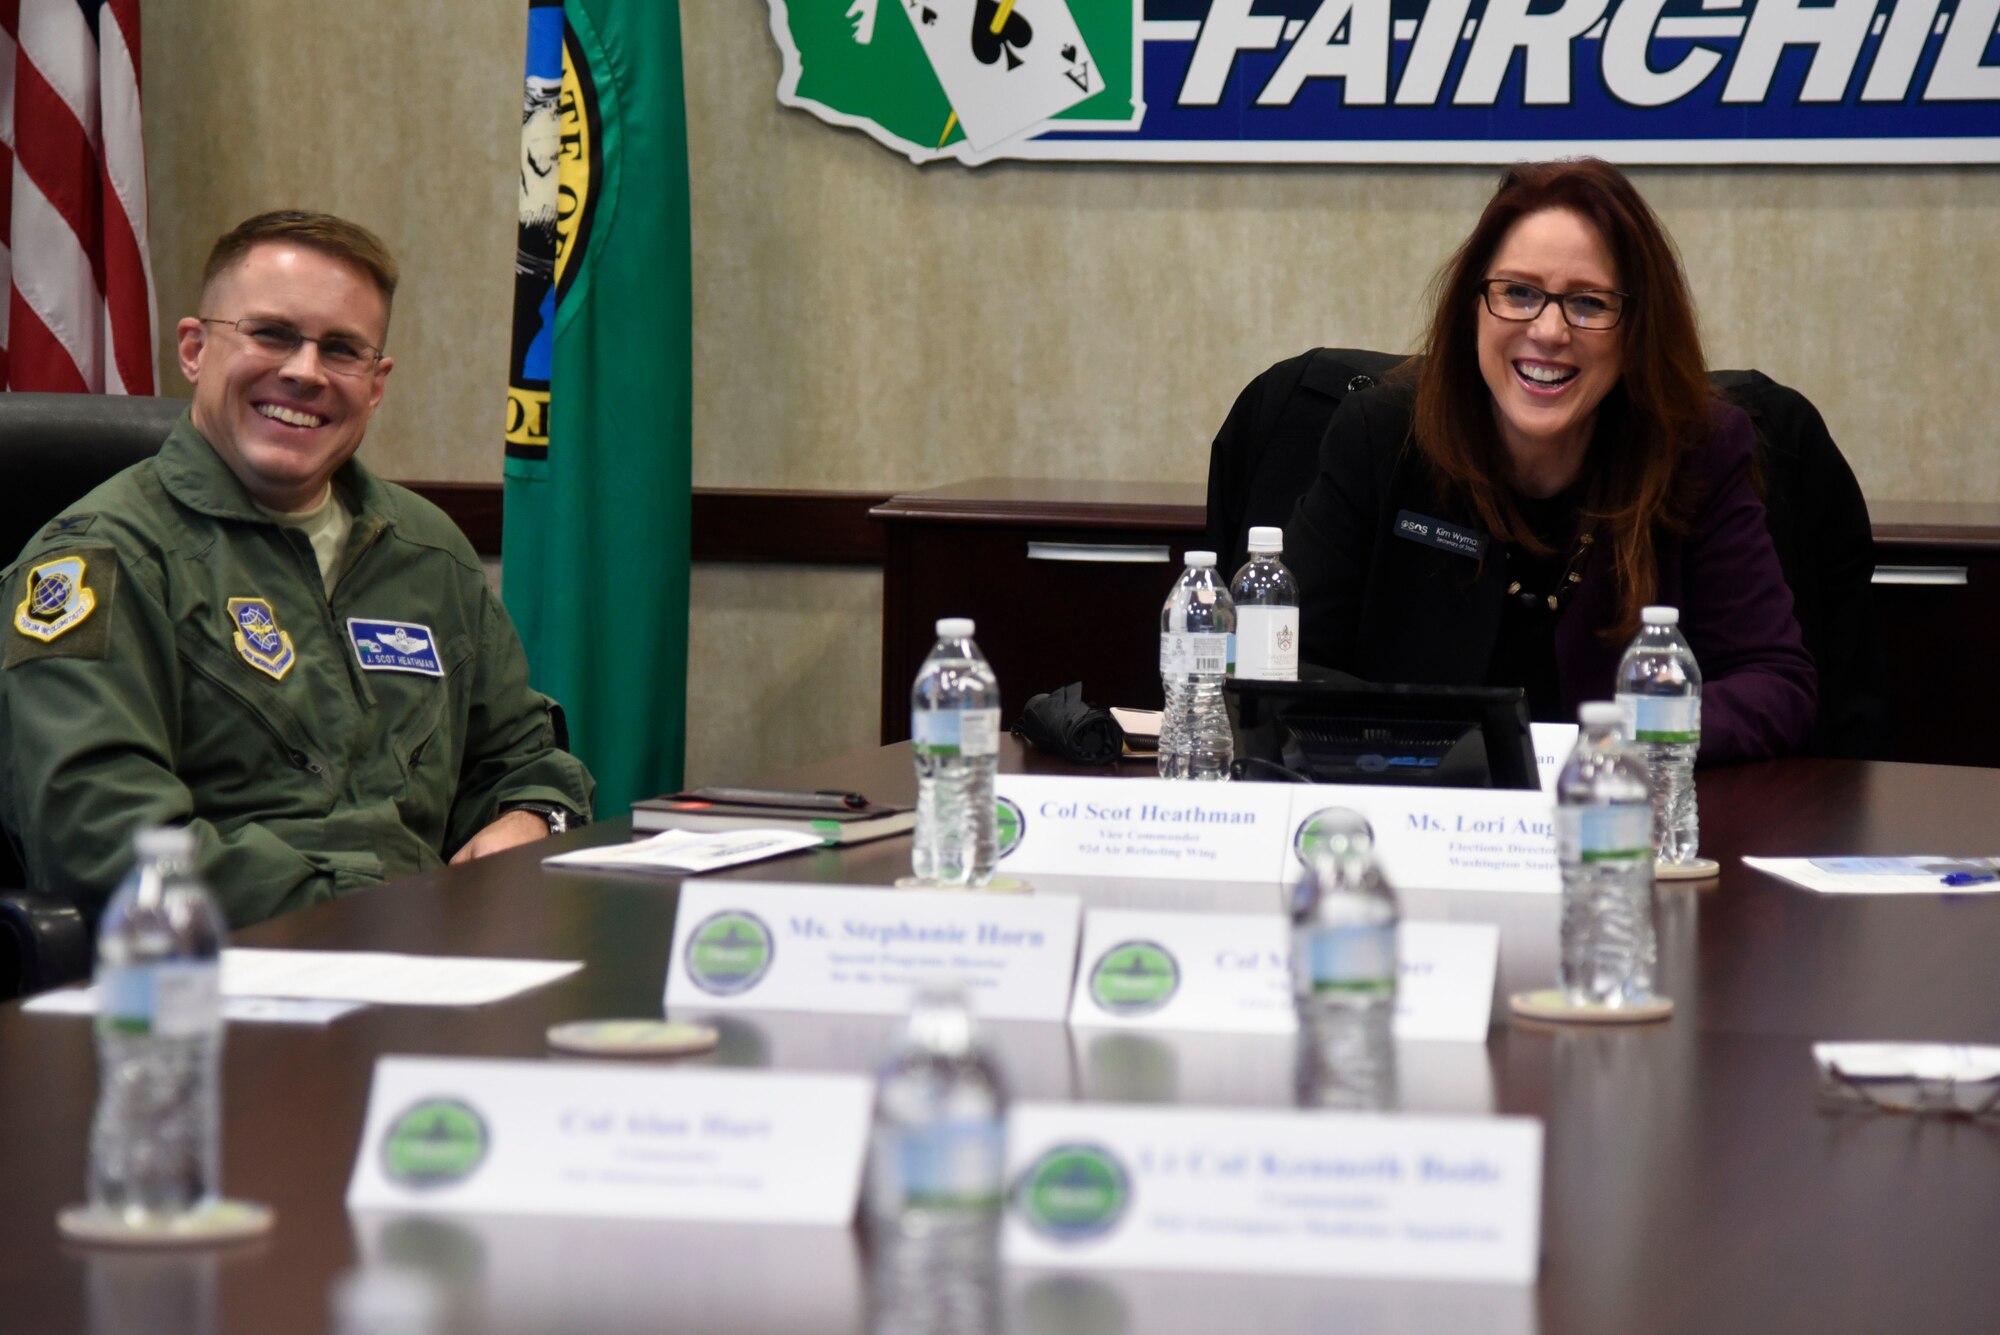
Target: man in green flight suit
253	634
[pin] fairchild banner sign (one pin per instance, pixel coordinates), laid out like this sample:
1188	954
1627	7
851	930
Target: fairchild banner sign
1636	81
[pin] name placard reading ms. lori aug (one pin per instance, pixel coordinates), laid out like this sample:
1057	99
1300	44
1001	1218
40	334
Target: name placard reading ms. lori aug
758	945
1256	1190
1427	838
616	1142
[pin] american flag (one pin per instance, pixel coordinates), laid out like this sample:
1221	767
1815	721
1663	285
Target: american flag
74	268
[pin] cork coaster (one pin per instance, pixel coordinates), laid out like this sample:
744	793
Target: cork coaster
1550	1004
999	885
1695	869
224	1221
632	1038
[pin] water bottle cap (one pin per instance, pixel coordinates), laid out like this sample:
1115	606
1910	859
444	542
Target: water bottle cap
1200	560
164	841
954	628
1600	714
940	1019
1661	616
1264	539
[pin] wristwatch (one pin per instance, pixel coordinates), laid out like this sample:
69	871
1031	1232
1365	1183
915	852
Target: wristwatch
561	819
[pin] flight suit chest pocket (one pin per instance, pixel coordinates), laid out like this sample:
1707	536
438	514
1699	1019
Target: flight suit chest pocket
416	712
242	742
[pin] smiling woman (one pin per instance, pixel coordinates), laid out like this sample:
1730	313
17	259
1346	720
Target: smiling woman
1560	415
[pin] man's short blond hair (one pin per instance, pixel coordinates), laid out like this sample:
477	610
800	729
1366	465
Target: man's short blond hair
335	237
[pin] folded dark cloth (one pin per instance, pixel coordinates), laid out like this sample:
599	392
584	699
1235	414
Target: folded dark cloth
1062	723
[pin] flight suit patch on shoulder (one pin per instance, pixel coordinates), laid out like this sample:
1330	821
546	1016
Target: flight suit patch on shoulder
259	639
64	607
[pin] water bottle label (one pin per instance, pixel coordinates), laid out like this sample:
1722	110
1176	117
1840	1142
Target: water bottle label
182	999
1655	718
1358	958
952	1164
955	732
1267	643
1615	833
1187	654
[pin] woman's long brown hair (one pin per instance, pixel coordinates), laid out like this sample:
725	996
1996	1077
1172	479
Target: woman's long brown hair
1658	411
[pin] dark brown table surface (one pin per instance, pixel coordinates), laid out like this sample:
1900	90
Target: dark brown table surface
1693	1182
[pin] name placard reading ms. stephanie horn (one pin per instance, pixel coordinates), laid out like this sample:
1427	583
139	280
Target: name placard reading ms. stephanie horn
758	945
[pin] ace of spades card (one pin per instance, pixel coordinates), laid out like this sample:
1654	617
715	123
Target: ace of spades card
1006	65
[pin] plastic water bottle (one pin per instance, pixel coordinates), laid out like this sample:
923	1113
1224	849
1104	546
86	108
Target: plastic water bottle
1267	612
1197	648
1659	690
938	1149
1344	960
955	736
1604	841
936	1166
155	1142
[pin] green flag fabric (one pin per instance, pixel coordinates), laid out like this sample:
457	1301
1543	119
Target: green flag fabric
594	550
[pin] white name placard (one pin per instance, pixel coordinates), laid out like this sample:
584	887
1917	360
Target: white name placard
1213	972
618	1142
1444	980
1432	838
1553	742
758	945
1439	838
1189	971
1142	827
1264	1191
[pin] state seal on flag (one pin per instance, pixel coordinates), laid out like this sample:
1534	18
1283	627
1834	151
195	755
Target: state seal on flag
562	161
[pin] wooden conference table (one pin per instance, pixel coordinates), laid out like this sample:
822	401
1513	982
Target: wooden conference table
1694	1183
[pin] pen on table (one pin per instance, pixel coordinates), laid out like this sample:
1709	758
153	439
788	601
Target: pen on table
779	797
1968	877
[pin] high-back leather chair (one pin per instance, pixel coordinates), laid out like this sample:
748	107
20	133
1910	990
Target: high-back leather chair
53	449
1267	454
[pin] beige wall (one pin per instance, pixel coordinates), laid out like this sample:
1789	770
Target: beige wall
861	323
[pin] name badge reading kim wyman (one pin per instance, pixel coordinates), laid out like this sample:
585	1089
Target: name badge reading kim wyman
394	646
1454	538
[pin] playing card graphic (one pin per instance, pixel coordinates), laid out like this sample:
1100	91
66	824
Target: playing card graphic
964	79
1006	65
995	33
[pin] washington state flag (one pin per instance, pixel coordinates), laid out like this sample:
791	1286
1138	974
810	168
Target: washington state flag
594	544
964	79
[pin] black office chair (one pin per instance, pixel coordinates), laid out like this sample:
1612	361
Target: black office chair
1267	454
53	449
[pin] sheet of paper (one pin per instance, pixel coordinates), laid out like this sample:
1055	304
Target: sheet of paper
384	979
1918	874
253	1010
690	851
1959	1063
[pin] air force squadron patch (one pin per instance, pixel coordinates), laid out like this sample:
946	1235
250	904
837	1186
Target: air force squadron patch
58	601
394	646
263	645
